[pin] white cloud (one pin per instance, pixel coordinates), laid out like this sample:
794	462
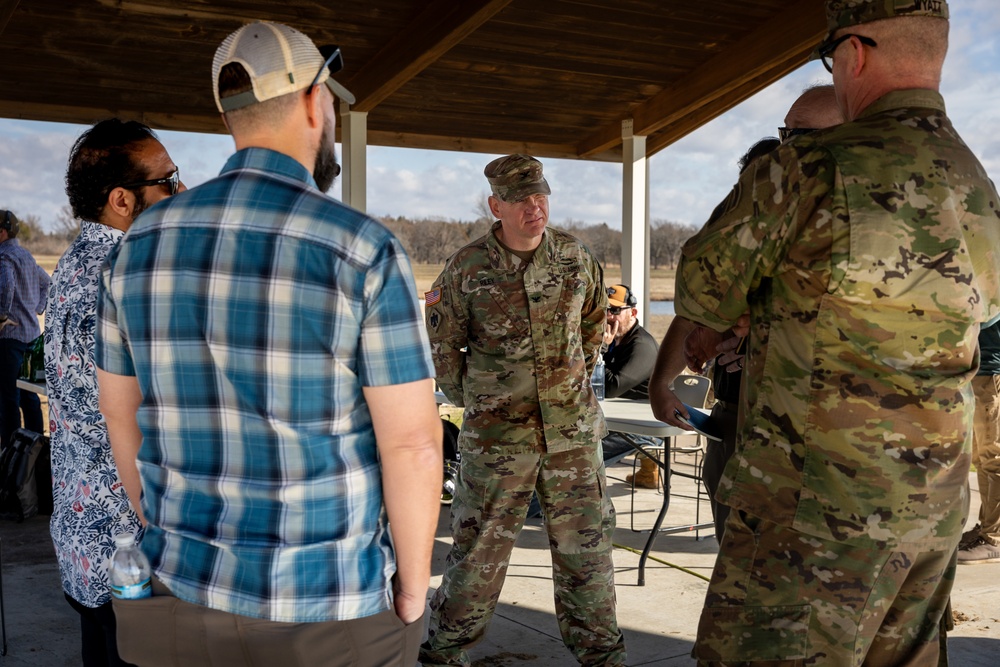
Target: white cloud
32	168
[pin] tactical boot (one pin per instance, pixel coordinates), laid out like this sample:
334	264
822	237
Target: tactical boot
969	537
648	476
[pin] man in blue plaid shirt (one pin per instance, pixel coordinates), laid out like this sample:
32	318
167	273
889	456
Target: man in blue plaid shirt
268	388
23	287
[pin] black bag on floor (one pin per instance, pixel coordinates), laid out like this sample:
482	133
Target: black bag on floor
451	459
25	476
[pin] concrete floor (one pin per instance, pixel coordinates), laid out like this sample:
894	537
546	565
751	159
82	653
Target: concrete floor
659	620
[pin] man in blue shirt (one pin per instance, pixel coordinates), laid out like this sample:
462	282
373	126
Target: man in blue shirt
23	286
267	383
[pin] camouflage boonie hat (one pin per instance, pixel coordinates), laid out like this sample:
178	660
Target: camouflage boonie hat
845	13
514	177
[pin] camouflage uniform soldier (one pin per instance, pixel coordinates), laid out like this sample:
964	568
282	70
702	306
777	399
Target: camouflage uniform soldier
515	322
868	256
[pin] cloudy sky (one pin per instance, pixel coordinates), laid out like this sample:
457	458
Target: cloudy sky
686	180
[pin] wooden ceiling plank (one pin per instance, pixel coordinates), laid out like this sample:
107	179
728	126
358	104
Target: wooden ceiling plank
475	145
803	24
603	29
7	9
85	115
187	11
442	25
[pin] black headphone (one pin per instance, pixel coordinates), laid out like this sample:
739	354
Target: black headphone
630	299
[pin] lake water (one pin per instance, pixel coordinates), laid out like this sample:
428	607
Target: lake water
661	307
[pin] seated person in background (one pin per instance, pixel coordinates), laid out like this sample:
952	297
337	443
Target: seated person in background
629	356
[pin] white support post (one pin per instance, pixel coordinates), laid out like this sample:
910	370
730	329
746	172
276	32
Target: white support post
635	216
354	141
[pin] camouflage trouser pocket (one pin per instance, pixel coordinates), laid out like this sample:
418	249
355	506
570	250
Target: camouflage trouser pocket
754	634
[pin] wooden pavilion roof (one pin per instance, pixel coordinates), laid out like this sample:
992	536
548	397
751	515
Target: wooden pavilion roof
552	78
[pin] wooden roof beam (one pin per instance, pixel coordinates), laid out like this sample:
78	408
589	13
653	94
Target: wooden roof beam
480	145
684	126
61	113
796	30
442	25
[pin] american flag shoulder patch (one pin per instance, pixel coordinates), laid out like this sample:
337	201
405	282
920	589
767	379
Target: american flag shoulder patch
432	297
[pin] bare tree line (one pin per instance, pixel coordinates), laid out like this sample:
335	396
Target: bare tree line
427	241
433	241
39	242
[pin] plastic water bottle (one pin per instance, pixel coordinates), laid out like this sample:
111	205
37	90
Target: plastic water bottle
129	573
597	380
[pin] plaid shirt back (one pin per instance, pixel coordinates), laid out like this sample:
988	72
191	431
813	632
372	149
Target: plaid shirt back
252	310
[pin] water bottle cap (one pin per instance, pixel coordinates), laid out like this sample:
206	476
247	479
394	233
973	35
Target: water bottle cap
124	540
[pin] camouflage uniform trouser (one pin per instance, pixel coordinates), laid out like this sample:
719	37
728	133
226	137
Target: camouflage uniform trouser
487	515
986	454
779	597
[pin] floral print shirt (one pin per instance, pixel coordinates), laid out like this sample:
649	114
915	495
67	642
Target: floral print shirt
90	504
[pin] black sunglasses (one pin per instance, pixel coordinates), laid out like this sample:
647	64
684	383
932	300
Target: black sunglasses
332	60
826	50
786	133
173	180
615	310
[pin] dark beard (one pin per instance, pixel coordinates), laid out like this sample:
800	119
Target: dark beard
326	168
140	204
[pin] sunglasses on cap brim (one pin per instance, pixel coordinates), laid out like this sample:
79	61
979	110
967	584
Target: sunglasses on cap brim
333	62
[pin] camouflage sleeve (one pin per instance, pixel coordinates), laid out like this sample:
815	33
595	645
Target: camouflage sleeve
749	234
447	329
595	313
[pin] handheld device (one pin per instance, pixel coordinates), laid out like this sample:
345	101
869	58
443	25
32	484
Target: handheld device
700	422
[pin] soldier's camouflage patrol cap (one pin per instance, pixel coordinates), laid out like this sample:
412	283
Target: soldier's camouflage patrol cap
845	13
514	177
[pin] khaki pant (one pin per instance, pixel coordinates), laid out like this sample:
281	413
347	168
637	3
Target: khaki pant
164	631
986	454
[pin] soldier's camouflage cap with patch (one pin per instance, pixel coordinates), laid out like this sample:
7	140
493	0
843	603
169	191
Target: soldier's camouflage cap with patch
845	13
514	177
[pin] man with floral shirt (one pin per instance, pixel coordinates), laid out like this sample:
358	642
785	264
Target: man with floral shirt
116	170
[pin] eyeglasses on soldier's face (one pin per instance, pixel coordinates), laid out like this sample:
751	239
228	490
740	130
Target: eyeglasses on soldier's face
786	133
173	181
615	310
332	60
826	50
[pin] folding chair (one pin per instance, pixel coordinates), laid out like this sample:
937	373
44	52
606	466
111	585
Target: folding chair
692	390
